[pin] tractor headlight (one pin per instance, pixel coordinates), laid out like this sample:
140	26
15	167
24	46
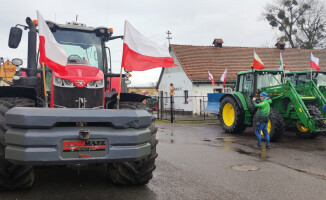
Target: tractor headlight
63	83
96	84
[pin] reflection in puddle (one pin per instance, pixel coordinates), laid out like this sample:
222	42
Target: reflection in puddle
262	155
226	139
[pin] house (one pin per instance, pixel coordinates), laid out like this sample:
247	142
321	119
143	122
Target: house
190	77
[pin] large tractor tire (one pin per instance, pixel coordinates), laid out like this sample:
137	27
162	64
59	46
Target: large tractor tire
231	116
13	176
275	126
304	132
136	172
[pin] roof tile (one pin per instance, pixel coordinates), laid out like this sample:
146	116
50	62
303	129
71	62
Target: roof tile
197	60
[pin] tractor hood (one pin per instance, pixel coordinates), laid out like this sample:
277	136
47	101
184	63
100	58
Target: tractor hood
80	75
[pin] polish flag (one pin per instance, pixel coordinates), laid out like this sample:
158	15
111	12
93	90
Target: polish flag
281	62
140	53
223	77
51	53
258	64
315	62
210	77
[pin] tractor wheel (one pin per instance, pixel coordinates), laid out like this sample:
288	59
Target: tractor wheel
231	116
304	132
136	172
13	176
275	126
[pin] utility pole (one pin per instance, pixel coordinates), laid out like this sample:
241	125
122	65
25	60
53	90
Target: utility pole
168	37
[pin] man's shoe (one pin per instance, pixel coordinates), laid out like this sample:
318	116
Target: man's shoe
257	146
268	146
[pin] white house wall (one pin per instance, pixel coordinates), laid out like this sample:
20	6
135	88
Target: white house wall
181	82
200	91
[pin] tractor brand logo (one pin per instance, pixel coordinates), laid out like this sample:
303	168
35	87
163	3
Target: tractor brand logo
79	145
80	83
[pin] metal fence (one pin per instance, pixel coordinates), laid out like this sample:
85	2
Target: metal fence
184	108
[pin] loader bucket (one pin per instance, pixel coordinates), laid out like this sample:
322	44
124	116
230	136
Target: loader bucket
213	104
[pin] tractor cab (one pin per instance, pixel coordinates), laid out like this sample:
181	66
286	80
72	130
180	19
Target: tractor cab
303	77
250	83
87	77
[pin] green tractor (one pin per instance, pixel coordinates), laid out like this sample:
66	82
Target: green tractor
291	107
303	77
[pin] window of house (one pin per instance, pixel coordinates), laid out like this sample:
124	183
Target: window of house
217	90
186	96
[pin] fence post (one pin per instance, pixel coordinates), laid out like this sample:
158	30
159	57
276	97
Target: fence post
204	107
171	99
162	106
158	107
199	107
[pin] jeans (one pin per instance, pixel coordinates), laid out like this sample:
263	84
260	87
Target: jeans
262	126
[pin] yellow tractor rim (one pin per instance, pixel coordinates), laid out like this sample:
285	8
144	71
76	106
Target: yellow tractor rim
302	128
269	127
228	114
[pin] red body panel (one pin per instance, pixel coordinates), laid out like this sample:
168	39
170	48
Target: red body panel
114	83
81	75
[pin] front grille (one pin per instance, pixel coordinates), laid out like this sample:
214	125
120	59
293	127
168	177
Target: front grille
69	97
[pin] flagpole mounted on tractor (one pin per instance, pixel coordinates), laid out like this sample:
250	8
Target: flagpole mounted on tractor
314	64
282	67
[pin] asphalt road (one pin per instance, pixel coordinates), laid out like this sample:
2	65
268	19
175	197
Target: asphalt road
195	162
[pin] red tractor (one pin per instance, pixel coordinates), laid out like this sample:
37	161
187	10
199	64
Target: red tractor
75	121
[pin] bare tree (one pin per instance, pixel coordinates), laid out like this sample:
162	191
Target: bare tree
311	26
284	15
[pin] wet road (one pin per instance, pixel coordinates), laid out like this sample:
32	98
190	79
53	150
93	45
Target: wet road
195	162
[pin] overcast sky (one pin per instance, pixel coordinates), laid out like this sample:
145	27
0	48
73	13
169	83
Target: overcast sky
192	22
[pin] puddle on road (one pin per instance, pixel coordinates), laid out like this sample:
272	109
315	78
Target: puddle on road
262	155
226	139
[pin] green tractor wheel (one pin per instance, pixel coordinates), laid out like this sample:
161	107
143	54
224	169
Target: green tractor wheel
304	132
231	116
276	125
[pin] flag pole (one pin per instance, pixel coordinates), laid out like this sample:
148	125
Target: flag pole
310	73
284	73
119	91
44	86
118	98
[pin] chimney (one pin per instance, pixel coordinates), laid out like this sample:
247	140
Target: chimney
280	45
218	43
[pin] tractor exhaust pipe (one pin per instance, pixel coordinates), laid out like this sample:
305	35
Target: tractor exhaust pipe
31	53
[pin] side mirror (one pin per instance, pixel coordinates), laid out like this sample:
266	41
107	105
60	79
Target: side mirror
295	77
127	81
314	75
17	62
14	37
248	77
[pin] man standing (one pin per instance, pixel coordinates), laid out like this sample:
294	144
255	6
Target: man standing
262	118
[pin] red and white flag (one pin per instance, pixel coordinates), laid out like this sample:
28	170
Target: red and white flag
258	64
210	77
140	53
315	62
51	53
223	77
